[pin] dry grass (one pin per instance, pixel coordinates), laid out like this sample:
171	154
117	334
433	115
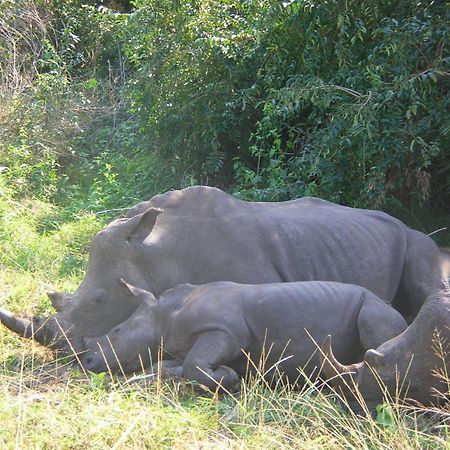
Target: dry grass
53	405
22	31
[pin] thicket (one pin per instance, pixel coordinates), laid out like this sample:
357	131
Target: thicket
341	99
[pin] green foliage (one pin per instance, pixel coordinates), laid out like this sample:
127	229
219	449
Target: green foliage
189	60
385	415
67	134
343	100
34	238
357	112
98	381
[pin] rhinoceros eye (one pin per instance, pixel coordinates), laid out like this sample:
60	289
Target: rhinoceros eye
100	299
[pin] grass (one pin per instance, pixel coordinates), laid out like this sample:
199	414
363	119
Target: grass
47	403
49	406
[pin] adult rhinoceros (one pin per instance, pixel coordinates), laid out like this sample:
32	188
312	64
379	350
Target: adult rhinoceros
415	364
201	234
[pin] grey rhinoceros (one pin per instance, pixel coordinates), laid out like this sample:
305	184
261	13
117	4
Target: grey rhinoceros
201	234
214	329
415	364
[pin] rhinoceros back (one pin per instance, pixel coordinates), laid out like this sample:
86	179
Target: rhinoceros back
226	239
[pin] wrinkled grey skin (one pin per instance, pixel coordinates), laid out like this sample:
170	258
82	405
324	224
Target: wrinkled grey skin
209	328
406	364
201	234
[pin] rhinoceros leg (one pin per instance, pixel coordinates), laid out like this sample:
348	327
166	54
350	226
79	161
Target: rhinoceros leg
205	361
170	368
378	322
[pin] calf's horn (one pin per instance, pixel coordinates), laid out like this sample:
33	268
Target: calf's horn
36	328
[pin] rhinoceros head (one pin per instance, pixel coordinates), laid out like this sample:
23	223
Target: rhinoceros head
131	345
414	364
367	380
101	301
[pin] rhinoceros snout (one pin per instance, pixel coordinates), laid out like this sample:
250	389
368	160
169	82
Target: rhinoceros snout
87	362
93	359
94	363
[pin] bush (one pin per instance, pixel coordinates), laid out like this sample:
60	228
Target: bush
272	100
360	113
345	101
67	134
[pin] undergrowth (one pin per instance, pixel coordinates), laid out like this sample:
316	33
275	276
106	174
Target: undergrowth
273	100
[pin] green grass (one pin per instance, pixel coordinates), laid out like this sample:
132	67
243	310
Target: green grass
50	404
54	406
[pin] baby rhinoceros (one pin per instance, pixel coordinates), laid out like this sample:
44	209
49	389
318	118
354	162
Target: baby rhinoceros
415	364
219	331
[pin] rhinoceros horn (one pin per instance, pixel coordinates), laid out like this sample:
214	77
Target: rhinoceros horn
40	329
330	365
333	369
58	300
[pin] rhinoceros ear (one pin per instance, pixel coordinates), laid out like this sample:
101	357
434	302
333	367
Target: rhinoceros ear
374	358
140	226
140	294
58	300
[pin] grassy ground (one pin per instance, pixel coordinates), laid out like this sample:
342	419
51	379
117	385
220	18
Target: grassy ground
50	404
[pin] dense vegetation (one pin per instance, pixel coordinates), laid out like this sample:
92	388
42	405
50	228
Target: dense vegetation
105	103
344	100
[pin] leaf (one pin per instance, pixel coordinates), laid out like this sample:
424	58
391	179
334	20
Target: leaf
90	84
385	416
98	379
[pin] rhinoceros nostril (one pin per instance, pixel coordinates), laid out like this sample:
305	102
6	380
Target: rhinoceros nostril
88	360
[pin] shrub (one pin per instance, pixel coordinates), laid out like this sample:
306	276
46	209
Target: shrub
342	100
274	100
